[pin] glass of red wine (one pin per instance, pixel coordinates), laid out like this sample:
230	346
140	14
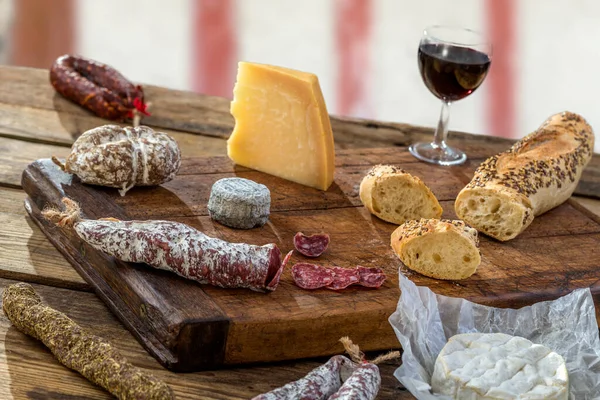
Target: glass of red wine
453	63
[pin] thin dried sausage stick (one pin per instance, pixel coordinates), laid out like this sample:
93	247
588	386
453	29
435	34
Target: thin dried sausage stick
179	248
97	87
78	349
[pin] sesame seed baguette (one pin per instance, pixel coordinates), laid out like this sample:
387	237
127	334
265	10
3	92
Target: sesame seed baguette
440	249
536	174
395	196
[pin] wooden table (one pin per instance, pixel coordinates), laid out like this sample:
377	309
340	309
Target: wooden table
36	123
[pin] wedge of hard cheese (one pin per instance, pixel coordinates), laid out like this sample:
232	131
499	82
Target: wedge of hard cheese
281	125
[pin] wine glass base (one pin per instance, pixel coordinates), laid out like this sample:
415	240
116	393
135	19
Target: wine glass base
441	155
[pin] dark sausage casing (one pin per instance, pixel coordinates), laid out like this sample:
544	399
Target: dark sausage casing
97	87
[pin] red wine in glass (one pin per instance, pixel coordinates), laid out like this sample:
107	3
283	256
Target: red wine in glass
453	63
452	72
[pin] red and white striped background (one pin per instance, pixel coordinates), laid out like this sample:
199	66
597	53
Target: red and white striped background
364	51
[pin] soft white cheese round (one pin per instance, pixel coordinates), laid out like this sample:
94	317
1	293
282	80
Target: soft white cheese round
474	366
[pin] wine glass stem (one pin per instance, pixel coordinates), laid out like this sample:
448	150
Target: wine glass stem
441	133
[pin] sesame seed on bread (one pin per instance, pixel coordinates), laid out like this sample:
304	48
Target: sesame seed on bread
536	174
440	249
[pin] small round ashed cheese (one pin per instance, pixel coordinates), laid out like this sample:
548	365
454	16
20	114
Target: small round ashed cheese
478	366
239	203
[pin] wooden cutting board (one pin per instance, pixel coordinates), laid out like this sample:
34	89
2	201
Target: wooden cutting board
188	326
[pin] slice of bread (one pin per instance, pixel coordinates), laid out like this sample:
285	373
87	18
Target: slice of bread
440	249
396	196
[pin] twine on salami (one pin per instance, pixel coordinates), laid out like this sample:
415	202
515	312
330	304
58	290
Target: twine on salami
123	156
338	379
60	164
358	356
140	109
66	218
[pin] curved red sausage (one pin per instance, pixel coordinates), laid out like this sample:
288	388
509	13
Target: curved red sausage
97	87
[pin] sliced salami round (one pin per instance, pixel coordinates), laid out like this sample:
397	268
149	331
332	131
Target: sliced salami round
272	285
311	276
371	277
343	277
311	246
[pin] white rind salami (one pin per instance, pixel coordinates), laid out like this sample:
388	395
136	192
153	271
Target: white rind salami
340	379
179	248
124	157
319	384
363	384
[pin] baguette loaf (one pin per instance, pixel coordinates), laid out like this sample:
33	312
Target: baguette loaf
536	174
396	196
440	249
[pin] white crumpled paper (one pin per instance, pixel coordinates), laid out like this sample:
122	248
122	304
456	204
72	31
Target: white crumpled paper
424	322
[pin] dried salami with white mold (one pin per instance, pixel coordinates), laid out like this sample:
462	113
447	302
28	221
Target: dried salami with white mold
239	203
363	384
178	248
318	384
339	378
123	157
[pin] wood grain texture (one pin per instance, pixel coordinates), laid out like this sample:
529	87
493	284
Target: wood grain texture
52	127
26	253
555	255
206	116
29	371
29	108
15	155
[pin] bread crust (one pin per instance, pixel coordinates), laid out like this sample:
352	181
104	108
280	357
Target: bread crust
538	173
413	230
378	175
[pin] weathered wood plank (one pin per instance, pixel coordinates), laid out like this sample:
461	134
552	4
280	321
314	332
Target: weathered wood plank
322	316
29	370
15	155
591	204
26	253
209	116
62	129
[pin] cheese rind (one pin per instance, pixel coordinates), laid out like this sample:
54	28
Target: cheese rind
479	366
239	203
281	125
